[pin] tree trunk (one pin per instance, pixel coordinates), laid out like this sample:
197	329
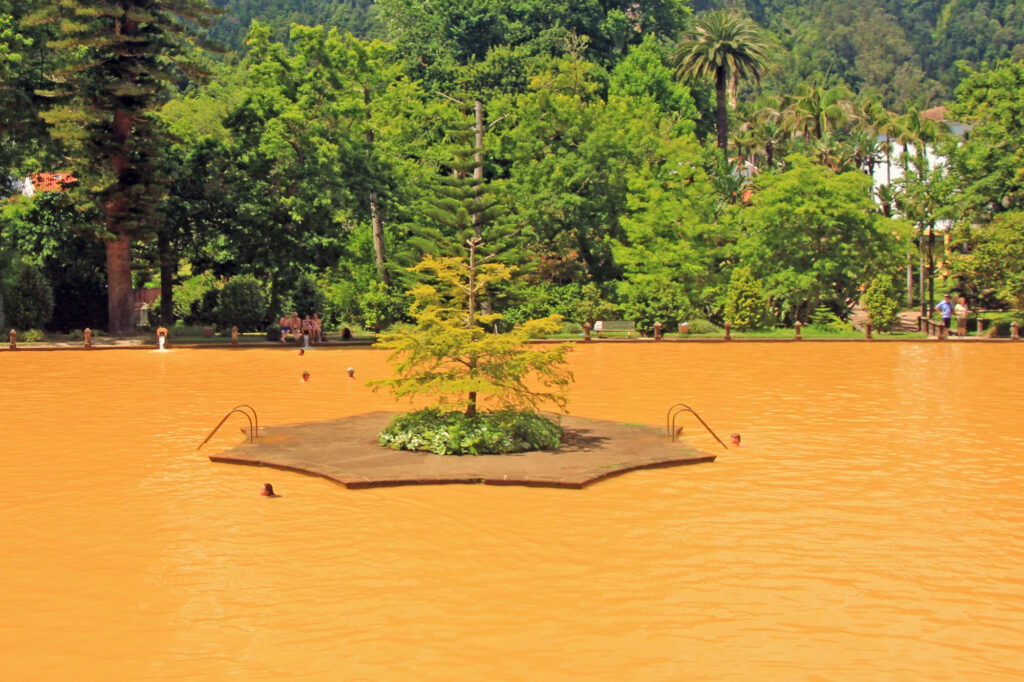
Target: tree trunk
478	159
379	252
376	217
168	272
910	279
888	160
471	304
120	298
931	269
721	110
920	282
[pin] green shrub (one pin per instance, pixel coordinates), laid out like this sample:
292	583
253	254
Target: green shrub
242	304
746	306
32	336
341	305
380	307
76	335
650	299
453	433
1001	325
699	326
306	297
181	329
882	303
826	320
195	300
28	301
574	302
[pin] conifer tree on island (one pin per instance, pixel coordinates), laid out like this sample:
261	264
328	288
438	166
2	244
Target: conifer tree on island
454	352
451	354
123	55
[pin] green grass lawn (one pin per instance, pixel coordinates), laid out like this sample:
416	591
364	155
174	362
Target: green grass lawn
807	332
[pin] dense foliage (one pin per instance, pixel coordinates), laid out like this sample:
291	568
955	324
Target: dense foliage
451	356
637	170
242	304
882	303
486	433
28	299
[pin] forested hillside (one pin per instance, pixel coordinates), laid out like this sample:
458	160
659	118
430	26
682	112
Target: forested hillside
354	16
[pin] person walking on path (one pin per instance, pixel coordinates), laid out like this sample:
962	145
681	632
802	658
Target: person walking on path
961	317
945	309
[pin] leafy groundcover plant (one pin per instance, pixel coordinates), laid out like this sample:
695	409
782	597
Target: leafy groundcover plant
486	433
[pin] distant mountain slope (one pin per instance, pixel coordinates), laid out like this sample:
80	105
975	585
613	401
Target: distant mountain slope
939	32
904	49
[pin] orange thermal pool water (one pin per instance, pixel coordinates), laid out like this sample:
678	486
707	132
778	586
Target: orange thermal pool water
871	530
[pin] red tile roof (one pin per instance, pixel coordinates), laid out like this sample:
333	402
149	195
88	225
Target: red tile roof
52	182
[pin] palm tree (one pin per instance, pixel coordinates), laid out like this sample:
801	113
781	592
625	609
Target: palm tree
768	129
816	111
724	47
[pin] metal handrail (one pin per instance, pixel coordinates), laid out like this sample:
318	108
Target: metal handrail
683	407
253	427
256	428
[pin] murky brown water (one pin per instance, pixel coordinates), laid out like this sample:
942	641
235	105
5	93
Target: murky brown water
871	530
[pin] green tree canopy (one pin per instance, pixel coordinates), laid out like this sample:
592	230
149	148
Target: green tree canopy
451	356
723	47
120	61
813	237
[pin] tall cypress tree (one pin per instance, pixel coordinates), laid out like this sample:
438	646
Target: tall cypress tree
123	55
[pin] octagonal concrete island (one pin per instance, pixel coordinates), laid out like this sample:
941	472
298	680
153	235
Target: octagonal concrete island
346	451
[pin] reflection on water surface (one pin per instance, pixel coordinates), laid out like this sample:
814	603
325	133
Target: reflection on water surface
871	529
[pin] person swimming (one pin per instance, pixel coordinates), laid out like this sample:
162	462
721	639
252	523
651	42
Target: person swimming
734	439
268	491
305	377
351	372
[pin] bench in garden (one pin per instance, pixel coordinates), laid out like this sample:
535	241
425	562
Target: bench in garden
614	326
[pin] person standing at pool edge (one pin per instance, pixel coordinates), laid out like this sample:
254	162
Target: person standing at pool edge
945	309
961	317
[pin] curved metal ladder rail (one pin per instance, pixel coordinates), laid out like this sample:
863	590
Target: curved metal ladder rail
683	407
254	424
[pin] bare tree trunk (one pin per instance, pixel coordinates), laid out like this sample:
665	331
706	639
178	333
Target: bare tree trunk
471	302
376	217
379	253
721	110
910	279
478	159
920	283
120	297
168	272
931	268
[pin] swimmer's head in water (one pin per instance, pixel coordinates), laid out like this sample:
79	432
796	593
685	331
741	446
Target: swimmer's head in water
305	376
267	491
735	438
351	371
